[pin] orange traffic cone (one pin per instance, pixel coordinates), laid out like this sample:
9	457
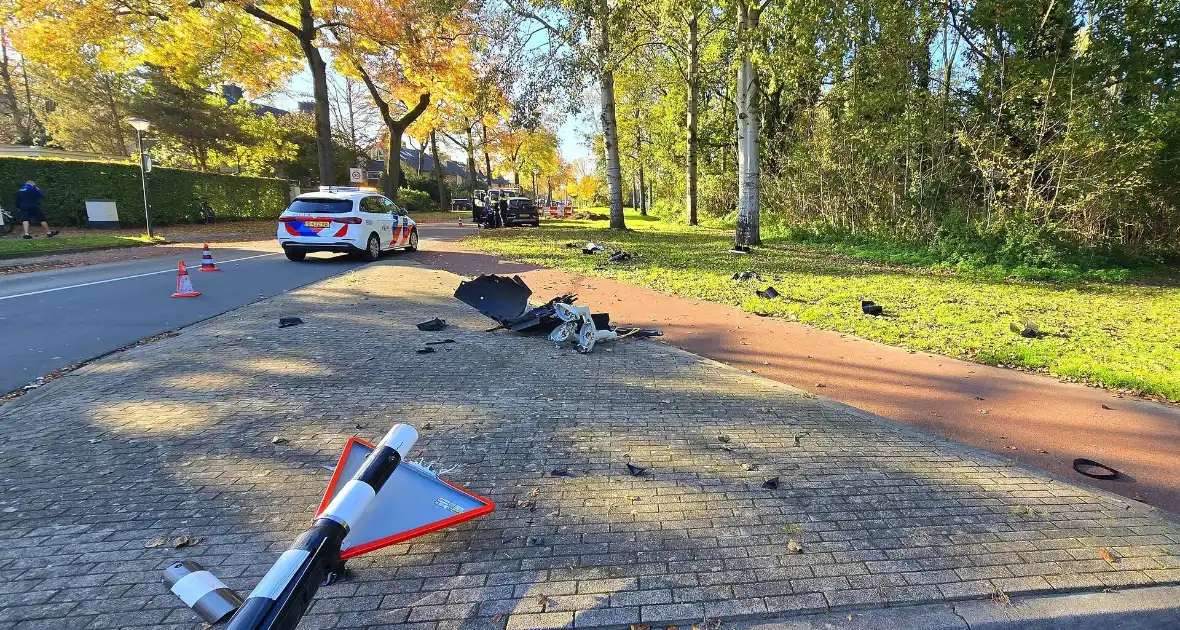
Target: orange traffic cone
184	285
207	263
460	221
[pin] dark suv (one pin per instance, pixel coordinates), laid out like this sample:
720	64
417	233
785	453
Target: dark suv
521	211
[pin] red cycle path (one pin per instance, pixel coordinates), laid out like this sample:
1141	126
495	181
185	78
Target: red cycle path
1035	419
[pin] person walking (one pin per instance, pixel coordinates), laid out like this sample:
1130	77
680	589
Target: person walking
28	203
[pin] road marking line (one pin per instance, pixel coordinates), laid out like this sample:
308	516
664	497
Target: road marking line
138	275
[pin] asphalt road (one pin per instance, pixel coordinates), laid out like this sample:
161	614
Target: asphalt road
57	318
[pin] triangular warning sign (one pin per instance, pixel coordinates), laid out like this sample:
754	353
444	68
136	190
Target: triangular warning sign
412	503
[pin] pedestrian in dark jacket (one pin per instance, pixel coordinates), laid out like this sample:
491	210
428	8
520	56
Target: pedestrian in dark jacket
28	203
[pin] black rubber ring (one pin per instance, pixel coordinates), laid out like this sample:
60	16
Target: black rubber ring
1082	461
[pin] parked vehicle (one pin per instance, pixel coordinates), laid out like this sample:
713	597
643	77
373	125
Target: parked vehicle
461	205
521	211
343	219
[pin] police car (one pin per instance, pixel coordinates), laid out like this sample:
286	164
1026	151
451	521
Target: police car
350	220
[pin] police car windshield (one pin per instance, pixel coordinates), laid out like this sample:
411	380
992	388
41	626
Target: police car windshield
320	206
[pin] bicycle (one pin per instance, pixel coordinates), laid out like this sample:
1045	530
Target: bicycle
6	221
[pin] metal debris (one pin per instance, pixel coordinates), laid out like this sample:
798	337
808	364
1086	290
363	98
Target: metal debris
635	470
619	256
433	325
287	322
426	350
561	472
768	294
440	342
771	484
593	248
868	307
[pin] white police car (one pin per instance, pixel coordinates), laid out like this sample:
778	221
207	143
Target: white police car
341	219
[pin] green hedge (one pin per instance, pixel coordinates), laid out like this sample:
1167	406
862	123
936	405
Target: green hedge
173	194
415	201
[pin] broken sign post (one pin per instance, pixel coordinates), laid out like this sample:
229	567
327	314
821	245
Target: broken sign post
382	502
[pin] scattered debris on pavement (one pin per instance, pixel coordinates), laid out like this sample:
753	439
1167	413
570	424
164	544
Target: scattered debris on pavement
287	322
427	350
768	294
593	248
635	470
278	440
561	472
1094	470
1107	556
794	546
185	541
869	307
771	484
440	342
158	541
724	439
506	300
1026	329
433	325
746	275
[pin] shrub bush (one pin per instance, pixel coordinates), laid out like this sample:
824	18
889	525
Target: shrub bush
173	194
415	200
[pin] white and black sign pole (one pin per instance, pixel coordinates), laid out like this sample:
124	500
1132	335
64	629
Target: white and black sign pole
284	593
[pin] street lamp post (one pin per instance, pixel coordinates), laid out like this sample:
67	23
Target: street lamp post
140	126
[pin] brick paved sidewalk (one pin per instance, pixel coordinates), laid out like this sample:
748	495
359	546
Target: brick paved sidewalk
174	438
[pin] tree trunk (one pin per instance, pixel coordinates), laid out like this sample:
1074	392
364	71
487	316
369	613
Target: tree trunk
25	132
694	80
642	192
471	166
487	159
748	232
443	197
393	163
323	123
610	127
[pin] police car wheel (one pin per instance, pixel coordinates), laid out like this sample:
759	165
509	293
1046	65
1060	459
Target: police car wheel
412	246
295	255
373	249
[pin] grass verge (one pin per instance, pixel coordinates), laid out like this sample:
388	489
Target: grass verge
1115	335
14	244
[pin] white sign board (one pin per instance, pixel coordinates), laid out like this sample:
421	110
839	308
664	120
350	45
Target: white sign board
356	175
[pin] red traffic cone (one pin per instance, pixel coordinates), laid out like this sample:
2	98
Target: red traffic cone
460	221
207	263
184	285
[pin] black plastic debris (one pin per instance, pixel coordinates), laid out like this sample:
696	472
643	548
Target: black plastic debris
768	294
439	343
433	325
561	472
771	484
287	322
635	470
1028	330
601	320
739	249
1094	470
506	300
619	257
724	439
868	307
571	245
426	350
593	248
746	275
638	332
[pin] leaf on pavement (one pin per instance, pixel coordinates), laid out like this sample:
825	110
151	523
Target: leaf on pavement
794	546
185	541
158	541
1106	555
278	440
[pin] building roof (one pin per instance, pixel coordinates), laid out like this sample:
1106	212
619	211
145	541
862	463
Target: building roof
449	167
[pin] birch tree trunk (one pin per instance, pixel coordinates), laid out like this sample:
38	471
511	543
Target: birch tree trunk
443	194
748	124
694	56
610	127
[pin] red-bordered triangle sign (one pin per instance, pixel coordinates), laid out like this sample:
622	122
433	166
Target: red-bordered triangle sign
413	502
